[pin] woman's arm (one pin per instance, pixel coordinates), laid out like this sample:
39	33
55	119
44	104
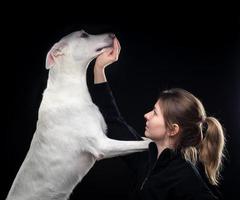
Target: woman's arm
104	99
102	96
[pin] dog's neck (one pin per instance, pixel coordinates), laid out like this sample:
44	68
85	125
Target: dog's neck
69	83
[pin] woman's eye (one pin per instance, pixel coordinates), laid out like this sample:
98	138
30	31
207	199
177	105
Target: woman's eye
84	35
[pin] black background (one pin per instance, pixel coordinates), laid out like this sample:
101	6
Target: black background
197	52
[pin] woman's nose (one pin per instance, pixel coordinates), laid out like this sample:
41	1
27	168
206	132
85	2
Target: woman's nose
146	116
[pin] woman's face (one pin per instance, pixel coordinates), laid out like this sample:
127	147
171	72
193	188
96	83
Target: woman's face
155	126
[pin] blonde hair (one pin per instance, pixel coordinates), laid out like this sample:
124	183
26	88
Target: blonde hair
201	137
211	149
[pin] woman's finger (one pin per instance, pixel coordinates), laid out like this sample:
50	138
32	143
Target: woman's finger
115	51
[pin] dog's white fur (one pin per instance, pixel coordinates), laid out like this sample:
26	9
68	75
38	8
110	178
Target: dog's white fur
70	134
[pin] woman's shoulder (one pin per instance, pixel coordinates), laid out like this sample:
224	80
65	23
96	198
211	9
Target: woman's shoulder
177	165
190	180
187	169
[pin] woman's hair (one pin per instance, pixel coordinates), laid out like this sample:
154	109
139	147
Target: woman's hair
200	136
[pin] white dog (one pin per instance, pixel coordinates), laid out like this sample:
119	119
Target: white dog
70	134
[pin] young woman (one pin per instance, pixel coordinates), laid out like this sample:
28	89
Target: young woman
185	157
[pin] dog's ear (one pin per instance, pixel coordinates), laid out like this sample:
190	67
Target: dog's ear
55	52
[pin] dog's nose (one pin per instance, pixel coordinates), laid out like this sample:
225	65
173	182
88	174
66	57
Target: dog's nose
111	35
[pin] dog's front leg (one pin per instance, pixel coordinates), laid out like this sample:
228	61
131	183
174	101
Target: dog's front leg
112	148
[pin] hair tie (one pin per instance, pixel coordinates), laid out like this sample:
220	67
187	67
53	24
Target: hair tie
204	128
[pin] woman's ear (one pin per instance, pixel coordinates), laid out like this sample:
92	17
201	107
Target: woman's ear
174	130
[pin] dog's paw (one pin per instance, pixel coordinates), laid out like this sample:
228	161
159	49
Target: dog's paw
147	140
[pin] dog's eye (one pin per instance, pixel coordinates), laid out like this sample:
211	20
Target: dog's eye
84	35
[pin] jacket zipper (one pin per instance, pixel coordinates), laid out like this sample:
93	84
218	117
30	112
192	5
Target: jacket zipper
146	178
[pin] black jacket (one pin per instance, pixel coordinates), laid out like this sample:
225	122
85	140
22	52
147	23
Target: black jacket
168	177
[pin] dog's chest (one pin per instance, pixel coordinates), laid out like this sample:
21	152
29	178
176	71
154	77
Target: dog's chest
72	122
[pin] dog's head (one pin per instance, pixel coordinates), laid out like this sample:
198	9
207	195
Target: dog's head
78	47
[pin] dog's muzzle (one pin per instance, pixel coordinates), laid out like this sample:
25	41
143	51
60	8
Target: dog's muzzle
111	37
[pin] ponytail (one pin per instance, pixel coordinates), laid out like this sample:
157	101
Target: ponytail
211	150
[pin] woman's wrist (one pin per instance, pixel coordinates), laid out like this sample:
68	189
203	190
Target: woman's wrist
99	70
99	66
99	75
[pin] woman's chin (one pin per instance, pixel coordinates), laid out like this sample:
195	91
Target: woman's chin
146	133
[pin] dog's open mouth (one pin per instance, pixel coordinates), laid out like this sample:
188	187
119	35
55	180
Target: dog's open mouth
100	49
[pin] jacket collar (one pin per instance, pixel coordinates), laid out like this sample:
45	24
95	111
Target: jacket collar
165	157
